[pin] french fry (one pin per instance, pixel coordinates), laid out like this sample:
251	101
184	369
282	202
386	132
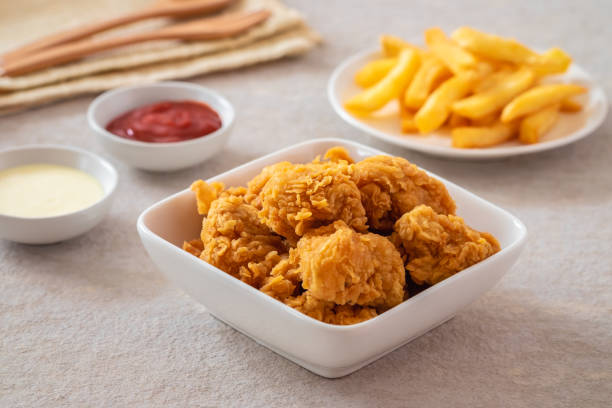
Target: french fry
483	87
492	46
483	69
452	55
482	136
496	64
436	108
493	80
570	106
407	122
535	125
391	45
374	71
487	120
553	61
387	88
456	120
538	98
430	71
492	100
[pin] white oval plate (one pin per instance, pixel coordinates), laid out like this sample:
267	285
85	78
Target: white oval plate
385	124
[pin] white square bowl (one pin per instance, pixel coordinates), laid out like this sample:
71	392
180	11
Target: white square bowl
325	349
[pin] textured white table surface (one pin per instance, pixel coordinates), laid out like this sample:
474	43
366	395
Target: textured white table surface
91	322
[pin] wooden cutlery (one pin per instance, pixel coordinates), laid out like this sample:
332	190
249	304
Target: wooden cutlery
61	48
162	8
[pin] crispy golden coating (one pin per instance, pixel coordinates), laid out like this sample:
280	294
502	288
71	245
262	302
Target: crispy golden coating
206	193
437	246
339	265
194	247
329	312
301	197
299	233
392	186
258	182
283	282
237	242
278	287
337	154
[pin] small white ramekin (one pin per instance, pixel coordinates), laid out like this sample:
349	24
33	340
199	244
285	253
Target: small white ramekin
48	230
159	156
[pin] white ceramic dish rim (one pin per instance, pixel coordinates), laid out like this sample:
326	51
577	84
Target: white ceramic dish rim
225	124
327	326
93	156
451	152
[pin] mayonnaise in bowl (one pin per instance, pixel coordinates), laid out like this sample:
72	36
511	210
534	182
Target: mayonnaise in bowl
46	190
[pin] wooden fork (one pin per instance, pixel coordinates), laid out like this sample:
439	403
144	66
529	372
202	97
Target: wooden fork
203	29
162	8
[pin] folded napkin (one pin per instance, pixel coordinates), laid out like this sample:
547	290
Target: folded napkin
284	33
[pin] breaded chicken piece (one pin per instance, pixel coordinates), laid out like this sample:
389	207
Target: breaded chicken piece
258	182
278	287
237	242
194	247
205	194
299	233
392	186
338	265
329	312
436	246
337	154
284	281
302	197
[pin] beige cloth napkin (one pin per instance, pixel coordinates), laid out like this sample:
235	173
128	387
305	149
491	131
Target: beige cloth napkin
283	34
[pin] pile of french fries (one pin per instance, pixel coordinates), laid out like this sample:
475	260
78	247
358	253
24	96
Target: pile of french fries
486	88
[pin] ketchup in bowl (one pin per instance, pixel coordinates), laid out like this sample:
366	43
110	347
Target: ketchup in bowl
169	121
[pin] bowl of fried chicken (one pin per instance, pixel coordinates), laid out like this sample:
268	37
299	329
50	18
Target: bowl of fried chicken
331	253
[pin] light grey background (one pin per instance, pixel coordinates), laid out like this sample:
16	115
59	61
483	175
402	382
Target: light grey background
90	322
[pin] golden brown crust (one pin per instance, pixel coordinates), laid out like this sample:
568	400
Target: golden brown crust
437	246
237	242
194	247
302	197
299	233
338	154
258	182
329	312
205	194
346	267
392	186
278	287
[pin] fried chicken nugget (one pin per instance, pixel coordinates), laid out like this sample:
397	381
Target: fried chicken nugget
299	234
337	154
278	287
436	246
392	186
237	242
194	247
338	265
329	312
258	182
284	281
297	198
205	194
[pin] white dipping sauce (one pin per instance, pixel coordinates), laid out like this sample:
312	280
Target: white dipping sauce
45	190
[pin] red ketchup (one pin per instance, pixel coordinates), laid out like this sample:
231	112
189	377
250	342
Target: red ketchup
163	122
